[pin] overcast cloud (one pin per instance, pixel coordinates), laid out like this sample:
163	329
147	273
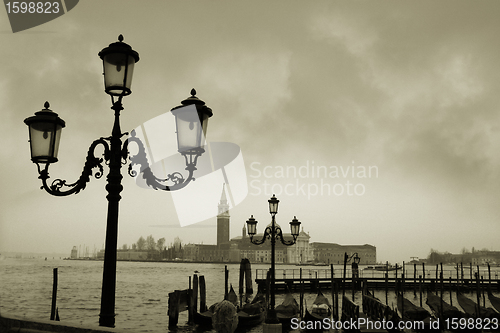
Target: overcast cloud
408	87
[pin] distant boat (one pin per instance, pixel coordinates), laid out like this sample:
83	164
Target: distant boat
311	263
381	268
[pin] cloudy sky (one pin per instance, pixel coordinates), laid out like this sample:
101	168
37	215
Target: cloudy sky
408	90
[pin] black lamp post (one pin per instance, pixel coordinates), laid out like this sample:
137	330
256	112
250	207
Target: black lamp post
355	263
273	231
45	131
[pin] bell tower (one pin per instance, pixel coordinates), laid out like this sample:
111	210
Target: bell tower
223	219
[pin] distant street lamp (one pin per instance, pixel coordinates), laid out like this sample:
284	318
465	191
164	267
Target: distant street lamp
273	231
354	266
45	132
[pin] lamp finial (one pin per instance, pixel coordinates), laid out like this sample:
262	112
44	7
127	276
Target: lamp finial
46	105
120	38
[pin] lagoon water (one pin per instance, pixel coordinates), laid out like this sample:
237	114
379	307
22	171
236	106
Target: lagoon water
142	290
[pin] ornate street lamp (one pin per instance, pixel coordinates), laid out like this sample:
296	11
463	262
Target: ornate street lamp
45	132
354	266
273	232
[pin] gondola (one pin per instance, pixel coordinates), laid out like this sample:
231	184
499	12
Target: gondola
320	310
494	300
253	313
204	319
471	308
287	310
410	311
448	312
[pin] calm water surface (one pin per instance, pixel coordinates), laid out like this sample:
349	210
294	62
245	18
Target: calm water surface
142	290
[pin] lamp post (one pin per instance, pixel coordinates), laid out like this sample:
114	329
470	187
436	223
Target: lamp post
355	263
273	232
45	132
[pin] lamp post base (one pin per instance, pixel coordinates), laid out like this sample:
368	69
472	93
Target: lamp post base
272	328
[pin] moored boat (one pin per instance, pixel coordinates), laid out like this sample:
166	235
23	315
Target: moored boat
287	310
494	300
411	311
473	310
253	313
320	310
442	309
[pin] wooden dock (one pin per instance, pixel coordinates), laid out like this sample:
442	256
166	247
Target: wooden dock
314	278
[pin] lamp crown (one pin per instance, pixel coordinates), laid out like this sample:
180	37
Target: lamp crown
192	99
46	105
119	47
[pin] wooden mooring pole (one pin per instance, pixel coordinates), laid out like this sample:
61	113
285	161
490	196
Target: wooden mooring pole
420	288
423	273
226	282
489	277
415	280
203	294
53	311
386	287
442	290
478	291
301	308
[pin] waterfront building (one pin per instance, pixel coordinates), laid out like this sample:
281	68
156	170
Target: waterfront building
331	253
131	255
302	251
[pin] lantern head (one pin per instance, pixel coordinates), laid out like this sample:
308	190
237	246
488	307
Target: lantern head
45	129
251	226
273	205
295	227
191	119
118	64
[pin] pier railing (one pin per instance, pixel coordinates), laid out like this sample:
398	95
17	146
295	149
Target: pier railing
325	273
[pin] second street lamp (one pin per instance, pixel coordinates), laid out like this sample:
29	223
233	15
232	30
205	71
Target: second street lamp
273	232
45	131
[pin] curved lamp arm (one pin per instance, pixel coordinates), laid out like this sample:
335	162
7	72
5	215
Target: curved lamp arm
91	162
268	234
151	180
279	234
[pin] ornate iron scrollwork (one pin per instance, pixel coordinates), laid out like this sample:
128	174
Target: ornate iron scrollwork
176	178
278	234
92	162
55	188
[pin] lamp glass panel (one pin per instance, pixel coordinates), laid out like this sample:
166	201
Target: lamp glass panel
252	227
189	128
118	70
273	205
43	136
57	140
295	227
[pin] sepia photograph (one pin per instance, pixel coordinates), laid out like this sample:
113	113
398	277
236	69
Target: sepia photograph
250	166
